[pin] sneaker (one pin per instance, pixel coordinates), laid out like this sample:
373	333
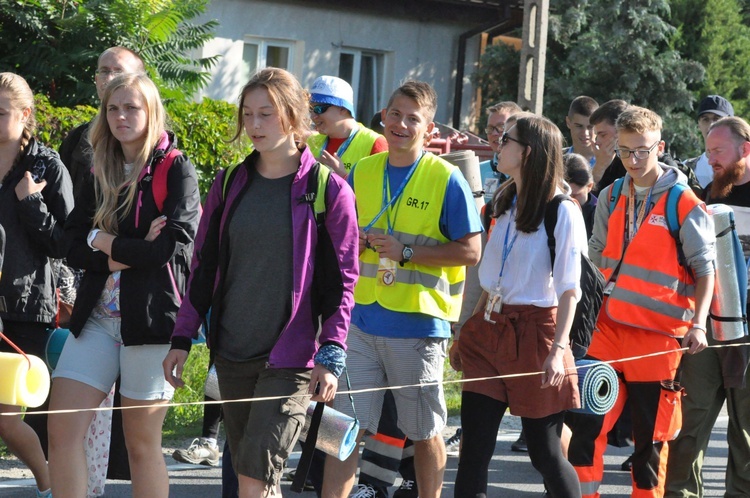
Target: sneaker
44	494
520	444
408	489
200	452
453	443
363	491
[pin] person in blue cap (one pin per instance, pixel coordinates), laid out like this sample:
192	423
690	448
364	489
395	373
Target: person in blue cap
340	140
711	109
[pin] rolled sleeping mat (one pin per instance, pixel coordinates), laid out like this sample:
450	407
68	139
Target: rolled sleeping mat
468	162
598	387
55	342
211	388
337	435
24	380
729	303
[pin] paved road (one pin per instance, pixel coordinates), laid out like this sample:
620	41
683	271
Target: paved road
511	474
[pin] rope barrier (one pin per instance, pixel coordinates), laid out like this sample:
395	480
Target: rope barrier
360	391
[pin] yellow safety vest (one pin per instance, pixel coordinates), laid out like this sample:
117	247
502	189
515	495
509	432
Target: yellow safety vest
415	219
360	147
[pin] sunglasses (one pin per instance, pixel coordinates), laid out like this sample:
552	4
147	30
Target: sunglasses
505	138
320	108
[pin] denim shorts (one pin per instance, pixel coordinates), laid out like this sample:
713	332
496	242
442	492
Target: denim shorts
97	357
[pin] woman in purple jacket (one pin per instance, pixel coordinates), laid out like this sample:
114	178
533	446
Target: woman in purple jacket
255	255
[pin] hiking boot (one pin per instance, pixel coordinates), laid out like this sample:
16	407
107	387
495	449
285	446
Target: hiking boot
200	452
363	491
520	444
453	443
408	489
627	465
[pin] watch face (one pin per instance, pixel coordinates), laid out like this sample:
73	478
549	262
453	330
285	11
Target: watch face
408	253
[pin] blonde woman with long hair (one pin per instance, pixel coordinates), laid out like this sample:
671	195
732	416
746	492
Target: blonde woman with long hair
36	196
135	256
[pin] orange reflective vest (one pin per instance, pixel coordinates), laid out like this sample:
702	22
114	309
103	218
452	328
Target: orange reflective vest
653	291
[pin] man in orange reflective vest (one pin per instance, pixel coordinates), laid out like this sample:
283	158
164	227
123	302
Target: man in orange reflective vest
656	302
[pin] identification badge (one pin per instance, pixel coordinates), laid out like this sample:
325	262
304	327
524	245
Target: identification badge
386	272
609	288
494	304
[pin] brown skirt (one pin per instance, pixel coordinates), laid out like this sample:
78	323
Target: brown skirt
519	342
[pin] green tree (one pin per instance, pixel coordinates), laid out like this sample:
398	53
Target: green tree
609	49
714	33
55	44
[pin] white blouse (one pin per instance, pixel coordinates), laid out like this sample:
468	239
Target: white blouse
527	275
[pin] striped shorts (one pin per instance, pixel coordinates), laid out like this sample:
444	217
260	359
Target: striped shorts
379	362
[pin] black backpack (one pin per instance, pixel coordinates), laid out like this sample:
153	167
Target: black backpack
592	286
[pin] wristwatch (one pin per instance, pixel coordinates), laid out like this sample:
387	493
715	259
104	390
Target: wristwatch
406	254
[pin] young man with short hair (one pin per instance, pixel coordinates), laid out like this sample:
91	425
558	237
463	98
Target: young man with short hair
655	303
497	114
711	109
340	140
581	130
717	375
419	228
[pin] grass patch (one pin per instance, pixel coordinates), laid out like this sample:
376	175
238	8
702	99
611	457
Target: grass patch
180	419
452	390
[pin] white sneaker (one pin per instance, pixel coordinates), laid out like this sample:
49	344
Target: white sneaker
200	452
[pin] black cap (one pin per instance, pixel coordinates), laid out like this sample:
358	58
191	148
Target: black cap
717	105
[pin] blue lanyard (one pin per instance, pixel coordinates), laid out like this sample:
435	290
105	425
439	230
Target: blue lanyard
388	202
506	246
342	148
632	223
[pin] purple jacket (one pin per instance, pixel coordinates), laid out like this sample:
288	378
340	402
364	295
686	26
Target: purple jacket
297	343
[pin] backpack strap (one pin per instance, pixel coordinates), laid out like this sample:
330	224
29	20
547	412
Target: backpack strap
317	181
550	222
159	183
615	192
673	220
228	177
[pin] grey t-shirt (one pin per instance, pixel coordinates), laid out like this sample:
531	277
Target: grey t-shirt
257	293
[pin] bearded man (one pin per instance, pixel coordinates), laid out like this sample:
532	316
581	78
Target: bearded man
716	375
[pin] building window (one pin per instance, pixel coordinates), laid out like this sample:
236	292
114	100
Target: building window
364	71
260	53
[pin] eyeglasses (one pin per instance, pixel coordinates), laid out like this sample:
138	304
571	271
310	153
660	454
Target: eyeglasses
493	129
638	153
320	108
109	72
504	140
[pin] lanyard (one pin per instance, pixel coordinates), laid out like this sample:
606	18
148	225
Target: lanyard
342	148
507	247
389	200
633	223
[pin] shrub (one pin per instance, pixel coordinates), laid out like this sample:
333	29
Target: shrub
202	130
54	123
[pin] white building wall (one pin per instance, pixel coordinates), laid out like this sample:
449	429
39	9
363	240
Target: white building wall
413	49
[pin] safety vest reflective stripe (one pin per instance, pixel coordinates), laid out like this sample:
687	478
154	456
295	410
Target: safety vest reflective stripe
408	238
360	147
432	290
653	291
406	276
590	488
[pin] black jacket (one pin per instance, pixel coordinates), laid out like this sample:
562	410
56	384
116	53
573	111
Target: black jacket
34	231
148	298
77	155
